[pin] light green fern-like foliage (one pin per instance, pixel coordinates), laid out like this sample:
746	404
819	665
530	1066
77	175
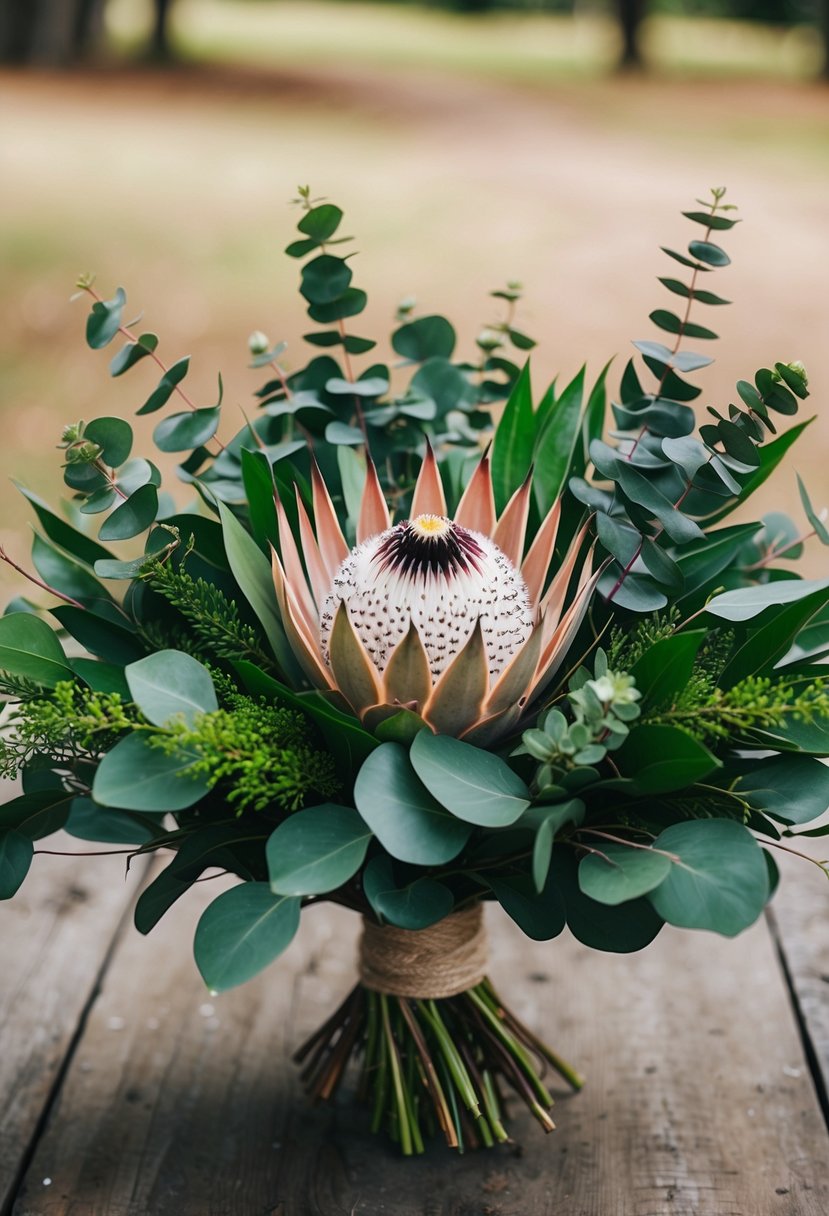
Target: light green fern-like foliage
262	755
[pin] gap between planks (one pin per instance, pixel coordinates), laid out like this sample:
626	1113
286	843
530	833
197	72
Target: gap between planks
699	1101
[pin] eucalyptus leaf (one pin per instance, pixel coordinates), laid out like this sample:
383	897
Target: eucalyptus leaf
316	850
474	785
171	685
242	932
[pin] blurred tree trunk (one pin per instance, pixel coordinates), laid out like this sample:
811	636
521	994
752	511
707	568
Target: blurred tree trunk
53	33
630	14
823	19
160	45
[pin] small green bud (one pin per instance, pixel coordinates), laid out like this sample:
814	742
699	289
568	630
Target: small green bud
799	369
83	453
489	340
71	433
514	285
258	342
405	308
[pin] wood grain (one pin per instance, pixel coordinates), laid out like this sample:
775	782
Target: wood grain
54	940
800	919
699	1101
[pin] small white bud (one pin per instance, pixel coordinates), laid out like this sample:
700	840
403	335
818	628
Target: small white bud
258	342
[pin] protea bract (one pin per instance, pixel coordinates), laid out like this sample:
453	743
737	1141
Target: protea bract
444	616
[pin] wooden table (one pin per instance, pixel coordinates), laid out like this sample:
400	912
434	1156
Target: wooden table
125	1088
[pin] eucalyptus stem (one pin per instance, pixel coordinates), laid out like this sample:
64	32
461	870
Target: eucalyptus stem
432	1066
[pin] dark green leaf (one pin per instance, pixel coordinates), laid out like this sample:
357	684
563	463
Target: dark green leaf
84	548
114	435
29	648
617	873
349	304
720	880
320	223
711	254
791	788
66	576
242	932
659	759
680	257
558	438
700	297
316	850
416	905
620	929
474	785
325	279
166	386
665	668
425	338
514	440
37	813
409	823
170	684
539	915
189	429
132	353
104	320
16	851
134	776
88	821
133	516
707	220
114	643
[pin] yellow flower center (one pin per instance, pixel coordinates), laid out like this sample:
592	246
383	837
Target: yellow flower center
429	526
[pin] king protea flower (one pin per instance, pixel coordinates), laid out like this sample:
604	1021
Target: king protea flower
445	617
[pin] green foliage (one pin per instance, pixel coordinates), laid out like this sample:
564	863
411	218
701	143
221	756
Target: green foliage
214	621
260	753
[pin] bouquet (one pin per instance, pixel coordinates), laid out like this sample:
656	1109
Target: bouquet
420	640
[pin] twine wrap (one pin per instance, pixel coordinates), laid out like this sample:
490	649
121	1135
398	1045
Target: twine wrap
443	960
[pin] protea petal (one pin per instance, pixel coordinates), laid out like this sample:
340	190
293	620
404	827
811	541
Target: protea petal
353	670
458	697
429	498
488	731
511	528
553	602
332	544
556	649
537	562
515	681
304	645
317	572
407	677
476	509
374	513
294	572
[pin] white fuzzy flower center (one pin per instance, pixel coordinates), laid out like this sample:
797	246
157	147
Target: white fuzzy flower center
440	576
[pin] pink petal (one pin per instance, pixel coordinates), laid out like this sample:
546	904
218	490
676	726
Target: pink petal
317	572
332	544
476	509
374	513
537	562
303	646
428	497
294	572
512	526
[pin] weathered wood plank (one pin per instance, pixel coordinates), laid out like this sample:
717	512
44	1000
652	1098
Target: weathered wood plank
54	939
698	1104
800	920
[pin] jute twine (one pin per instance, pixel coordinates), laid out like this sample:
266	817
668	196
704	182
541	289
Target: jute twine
443	960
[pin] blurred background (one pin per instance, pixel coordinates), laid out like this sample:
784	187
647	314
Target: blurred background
158	144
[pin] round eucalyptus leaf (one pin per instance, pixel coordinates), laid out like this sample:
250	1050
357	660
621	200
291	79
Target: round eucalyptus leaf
242	932
190	429
719	879
135	776
474	785
617	873
114	436
132	516
316	850
409	823
325	279
171	684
